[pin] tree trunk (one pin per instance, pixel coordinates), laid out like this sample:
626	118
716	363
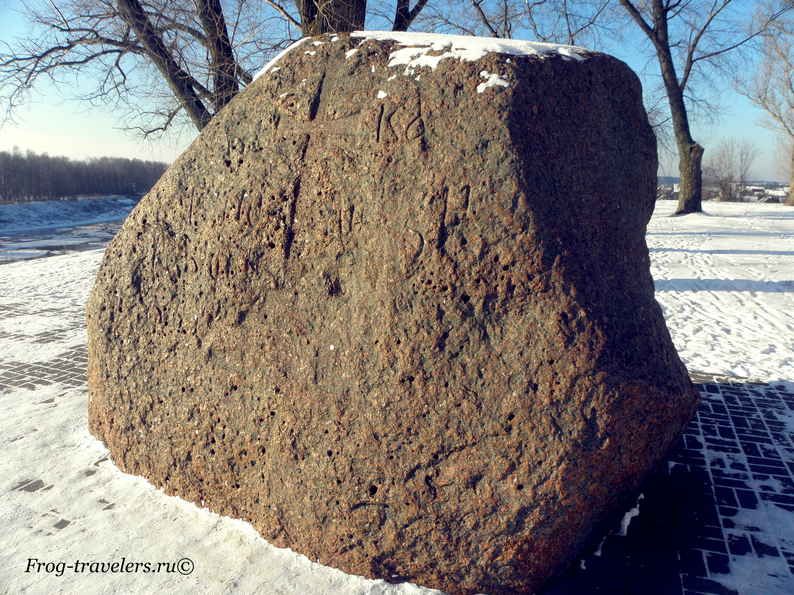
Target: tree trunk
132	12
690	157
222	63
690	153
790	199
331	16
404	15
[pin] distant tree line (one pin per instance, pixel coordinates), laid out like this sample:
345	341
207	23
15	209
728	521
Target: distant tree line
30	176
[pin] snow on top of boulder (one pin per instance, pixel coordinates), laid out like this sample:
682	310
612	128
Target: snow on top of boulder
463	47
429	49
279	56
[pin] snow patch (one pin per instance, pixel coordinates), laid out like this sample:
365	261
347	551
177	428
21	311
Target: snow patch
786	417
768	524
493	80
382	94
598	551
279	56
429	49
351	53
626	520
418	48
749	574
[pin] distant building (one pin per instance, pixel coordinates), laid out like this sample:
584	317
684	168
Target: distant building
765	192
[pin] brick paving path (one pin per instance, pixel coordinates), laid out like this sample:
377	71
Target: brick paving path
718	510
68	369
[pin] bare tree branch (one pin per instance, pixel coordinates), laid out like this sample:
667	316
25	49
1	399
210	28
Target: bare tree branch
222	63
181	82
476	4
283	12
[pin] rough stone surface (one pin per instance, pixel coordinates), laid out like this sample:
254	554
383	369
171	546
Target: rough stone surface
411	336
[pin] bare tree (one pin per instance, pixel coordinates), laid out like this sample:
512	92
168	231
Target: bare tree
771	88
158	62
150	39
404	15
728	166
687	35
785	162
721	168
746	154
162	62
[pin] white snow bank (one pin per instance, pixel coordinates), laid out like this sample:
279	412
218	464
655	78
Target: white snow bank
429	49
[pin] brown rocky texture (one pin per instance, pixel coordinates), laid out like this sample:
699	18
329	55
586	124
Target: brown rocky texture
412	337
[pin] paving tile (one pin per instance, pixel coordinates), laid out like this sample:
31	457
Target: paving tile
717	563
739	544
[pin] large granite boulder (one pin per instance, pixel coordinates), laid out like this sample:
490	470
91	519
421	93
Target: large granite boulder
394	308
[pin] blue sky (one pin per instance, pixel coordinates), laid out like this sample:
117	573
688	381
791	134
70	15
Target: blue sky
52	122
55	123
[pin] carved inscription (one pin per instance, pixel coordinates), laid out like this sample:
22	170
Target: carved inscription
395	123
450	206
412	244
301	114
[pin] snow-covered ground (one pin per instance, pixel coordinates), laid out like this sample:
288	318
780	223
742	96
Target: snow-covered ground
724	280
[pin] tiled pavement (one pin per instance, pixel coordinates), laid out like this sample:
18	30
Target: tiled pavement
67	368
720	506
718	513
